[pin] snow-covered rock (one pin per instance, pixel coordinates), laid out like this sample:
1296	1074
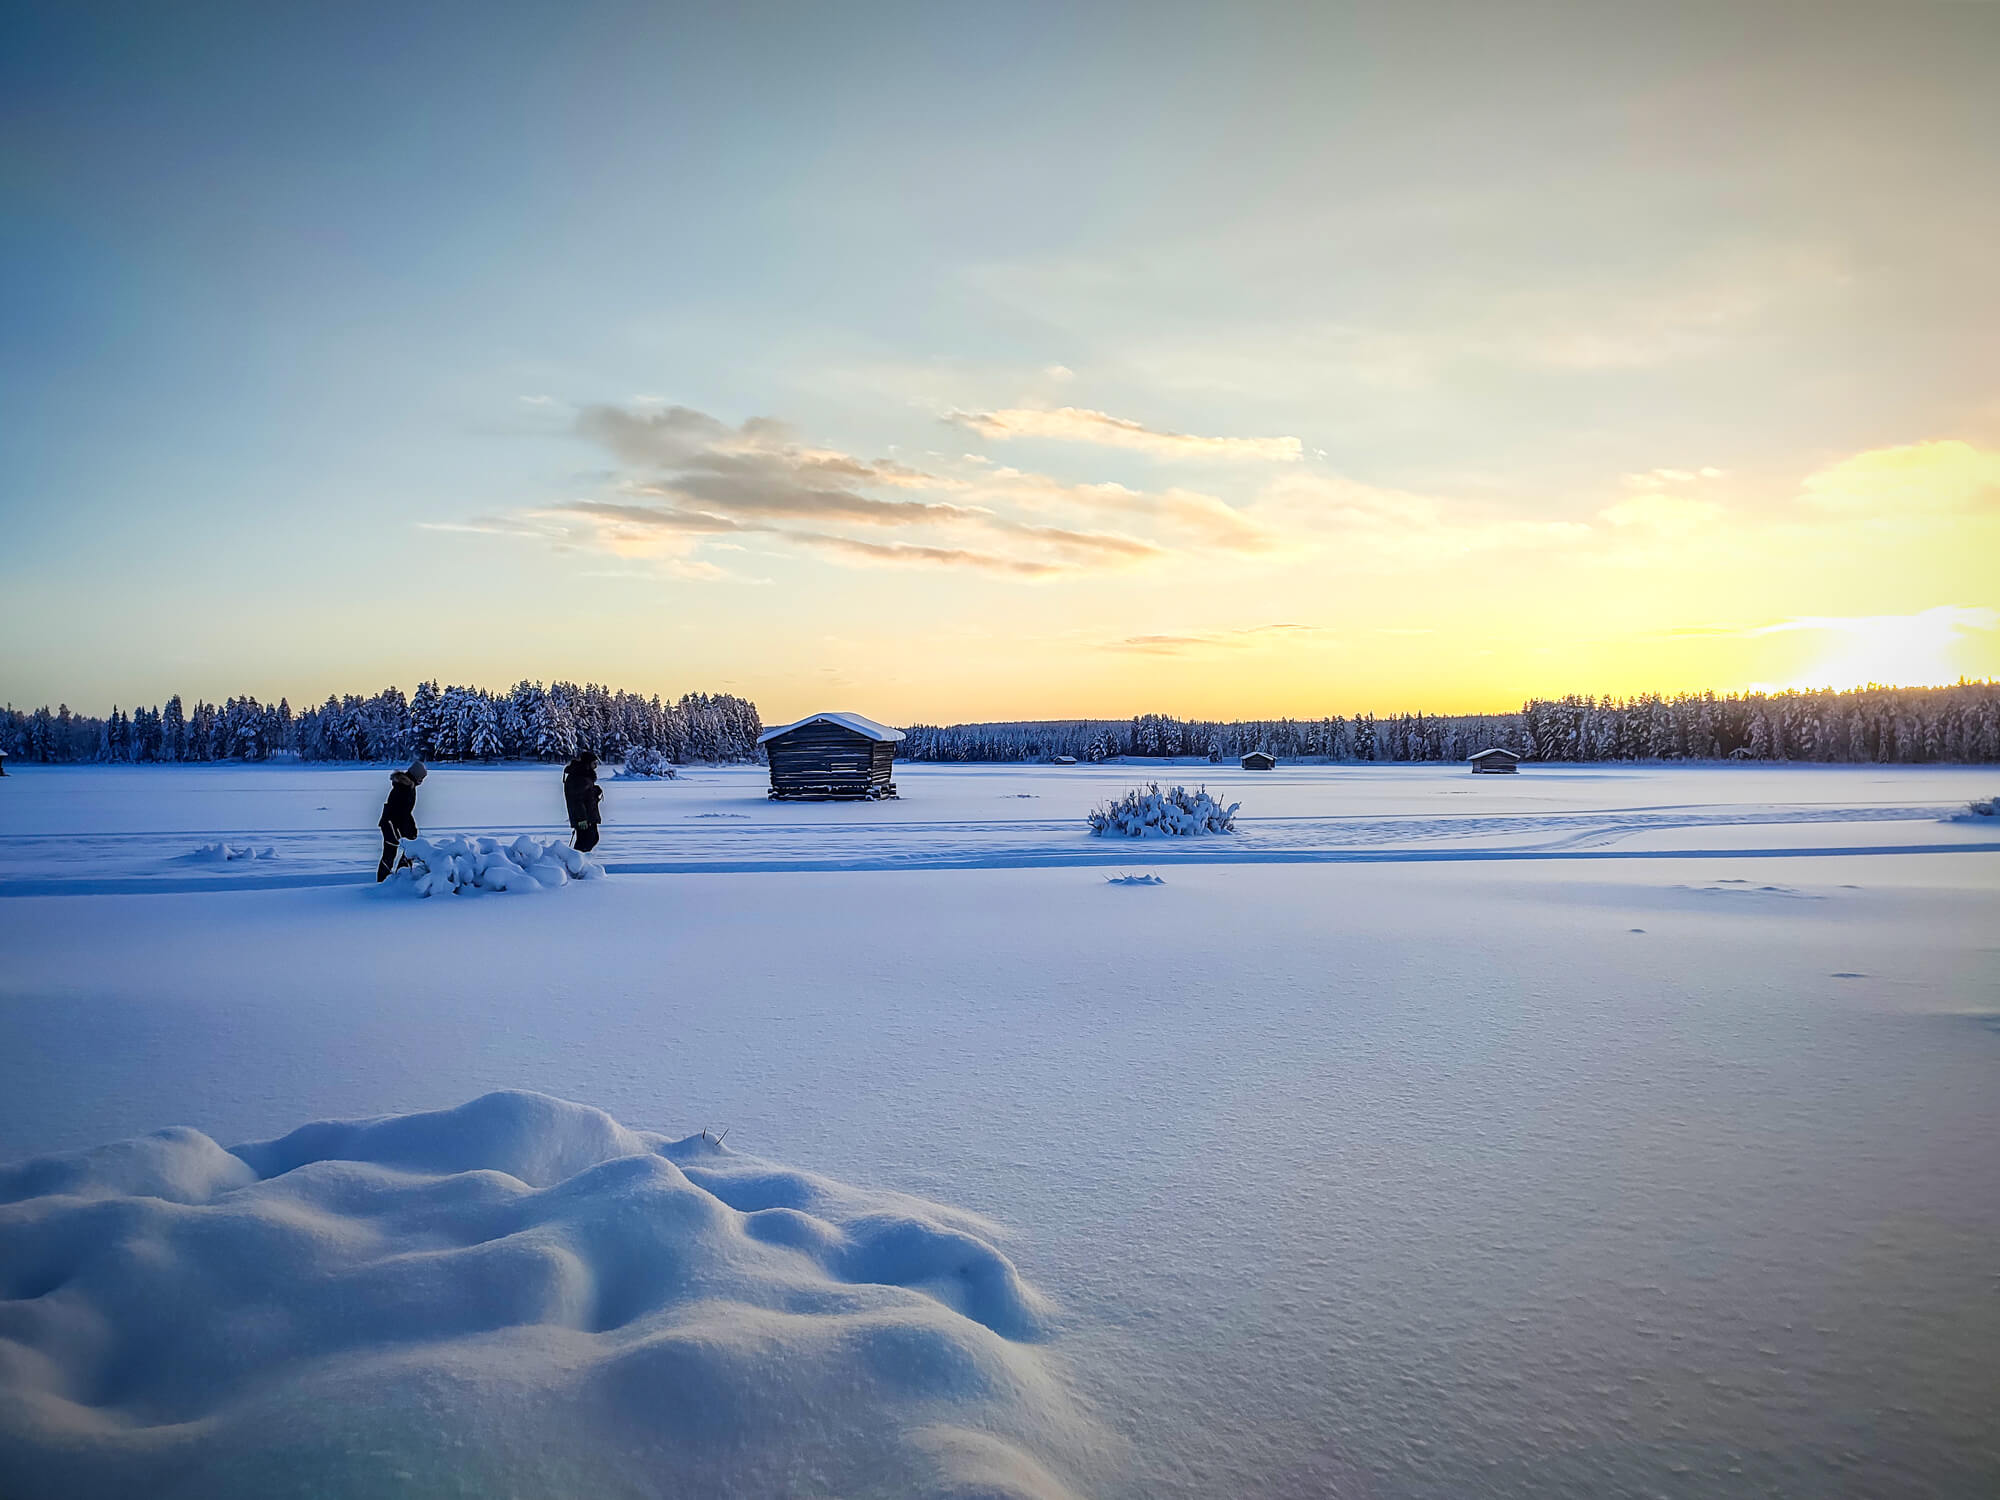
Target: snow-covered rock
1141	813
455	865
520	1296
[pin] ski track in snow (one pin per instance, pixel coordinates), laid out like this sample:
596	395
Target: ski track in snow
131	863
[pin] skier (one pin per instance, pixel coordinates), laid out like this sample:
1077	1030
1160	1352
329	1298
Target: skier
399	817
582	794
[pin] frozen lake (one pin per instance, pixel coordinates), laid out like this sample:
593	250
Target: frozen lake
107	829
1609	1131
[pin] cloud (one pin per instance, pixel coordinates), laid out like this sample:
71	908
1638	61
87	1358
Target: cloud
1075	424
688	476
1204	518
685	482
1385	526
1209	640
1942	621
1916	479
1663	515
916	553
1662	479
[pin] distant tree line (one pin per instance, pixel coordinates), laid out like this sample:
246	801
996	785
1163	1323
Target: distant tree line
528	722
1873	725
1959	724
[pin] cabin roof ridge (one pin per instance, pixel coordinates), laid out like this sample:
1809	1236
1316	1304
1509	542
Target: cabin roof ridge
859	723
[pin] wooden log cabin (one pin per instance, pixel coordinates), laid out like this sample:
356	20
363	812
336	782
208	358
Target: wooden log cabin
1260	760
831	755
1495	762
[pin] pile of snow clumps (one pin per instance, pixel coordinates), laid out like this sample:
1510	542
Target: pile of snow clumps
649	763
458	865
1141	814
220	852
1976	810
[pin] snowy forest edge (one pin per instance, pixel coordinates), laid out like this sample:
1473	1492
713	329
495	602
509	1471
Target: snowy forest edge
1959	724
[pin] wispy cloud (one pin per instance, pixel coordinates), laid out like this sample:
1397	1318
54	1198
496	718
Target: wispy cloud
1663	514
1209	640
1387	526
1663	479
1076	424
1948	621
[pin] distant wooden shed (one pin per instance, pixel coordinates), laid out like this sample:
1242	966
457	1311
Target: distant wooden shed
1062	760
1260	760
1495	762
831	755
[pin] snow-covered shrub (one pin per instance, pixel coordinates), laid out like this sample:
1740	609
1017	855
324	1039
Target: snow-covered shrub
642	760
1142	813
1977	810
452	865
1133	880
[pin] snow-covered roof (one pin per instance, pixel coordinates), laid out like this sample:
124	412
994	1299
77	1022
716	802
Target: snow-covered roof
854	722
1496	750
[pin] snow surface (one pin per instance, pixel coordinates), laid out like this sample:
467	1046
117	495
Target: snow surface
1595	1133
110	829
574	1307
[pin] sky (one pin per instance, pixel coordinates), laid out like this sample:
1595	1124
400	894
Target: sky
949	363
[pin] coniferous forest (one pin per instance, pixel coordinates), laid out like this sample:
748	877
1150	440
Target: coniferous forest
1887	725
528	722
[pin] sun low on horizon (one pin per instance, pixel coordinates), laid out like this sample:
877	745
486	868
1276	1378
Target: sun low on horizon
1189	368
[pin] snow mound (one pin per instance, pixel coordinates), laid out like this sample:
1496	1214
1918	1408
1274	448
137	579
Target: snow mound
650	765
519	1296
1142	813
458	865
1133	880
1979	810
220	853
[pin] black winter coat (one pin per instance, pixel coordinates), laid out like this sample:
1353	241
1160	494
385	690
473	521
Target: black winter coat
581	794
399	813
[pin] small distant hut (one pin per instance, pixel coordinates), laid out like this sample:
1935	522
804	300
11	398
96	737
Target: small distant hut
1260	760
1495	762
1062	760
832	755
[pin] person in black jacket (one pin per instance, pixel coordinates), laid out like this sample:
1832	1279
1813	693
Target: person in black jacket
399	817
582	794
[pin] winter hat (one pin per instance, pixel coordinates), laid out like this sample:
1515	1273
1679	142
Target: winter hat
418	771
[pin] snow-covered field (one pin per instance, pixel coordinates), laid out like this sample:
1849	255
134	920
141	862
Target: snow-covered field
1595	1132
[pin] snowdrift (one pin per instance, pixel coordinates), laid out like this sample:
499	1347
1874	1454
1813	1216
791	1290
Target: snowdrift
1143	813
1978	810
519	1296
489	864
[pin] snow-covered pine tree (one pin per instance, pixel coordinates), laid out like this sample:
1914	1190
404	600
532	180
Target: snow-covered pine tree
173	730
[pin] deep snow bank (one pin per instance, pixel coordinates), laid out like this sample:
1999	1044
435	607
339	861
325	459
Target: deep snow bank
518	1296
